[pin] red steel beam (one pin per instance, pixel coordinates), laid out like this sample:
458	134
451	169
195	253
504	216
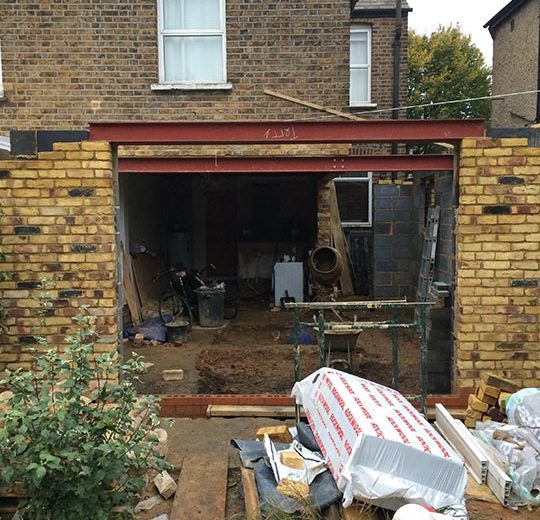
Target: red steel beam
265	132
288	164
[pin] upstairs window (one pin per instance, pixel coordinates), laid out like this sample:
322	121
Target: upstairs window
192	41
360	66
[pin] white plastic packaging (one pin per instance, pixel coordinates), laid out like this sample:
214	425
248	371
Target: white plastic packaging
377	446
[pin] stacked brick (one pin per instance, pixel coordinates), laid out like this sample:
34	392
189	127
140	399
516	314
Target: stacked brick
488	403
57	224
498	256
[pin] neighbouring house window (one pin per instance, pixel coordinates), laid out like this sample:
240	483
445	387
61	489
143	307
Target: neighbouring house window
360	66
192	46
354	195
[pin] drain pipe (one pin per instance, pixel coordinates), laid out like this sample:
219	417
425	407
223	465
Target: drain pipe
397	59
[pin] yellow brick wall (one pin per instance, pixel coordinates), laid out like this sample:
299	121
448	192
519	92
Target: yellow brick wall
57	222
498	254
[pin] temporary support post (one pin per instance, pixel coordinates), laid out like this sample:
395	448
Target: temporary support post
393	325
395	359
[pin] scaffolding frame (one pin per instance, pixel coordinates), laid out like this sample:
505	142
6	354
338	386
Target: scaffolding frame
393	325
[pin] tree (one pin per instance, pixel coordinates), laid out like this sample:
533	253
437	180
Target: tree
447	66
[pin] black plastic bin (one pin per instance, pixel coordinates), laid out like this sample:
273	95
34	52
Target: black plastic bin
211	306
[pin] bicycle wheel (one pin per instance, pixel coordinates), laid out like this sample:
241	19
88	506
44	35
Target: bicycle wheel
230	310
173	307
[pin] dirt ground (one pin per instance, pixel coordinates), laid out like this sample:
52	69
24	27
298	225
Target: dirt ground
191	436
253	354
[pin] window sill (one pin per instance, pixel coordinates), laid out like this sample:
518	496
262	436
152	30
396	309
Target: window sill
356	225
363	106
191	86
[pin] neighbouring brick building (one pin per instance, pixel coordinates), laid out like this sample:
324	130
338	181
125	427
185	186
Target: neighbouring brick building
516	63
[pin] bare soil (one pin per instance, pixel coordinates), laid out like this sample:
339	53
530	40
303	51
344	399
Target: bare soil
254	354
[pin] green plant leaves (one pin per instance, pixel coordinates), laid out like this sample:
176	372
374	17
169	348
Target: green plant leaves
69	436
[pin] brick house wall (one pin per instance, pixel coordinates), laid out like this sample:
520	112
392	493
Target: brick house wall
48	231
516	44
498	261
67	63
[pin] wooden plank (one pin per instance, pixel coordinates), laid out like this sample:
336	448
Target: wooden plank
202	487
130	289
310	104
340	243
251	496
222	410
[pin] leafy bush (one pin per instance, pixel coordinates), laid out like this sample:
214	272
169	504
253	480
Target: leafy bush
75	440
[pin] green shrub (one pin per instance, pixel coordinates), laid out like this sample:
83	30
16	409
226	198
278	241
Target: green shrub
76	440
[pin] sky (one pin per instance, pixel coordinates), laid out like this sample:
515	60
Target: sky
471	15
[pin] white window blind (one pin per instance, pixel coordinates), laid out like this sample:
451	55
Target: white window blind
360	66
192	42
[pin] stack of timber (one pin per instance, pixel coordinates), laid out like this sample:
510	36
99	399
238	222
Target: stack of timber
488	403
131	290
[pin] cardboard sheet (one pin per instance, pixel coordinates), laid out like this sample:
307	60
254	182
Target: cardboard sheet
377	446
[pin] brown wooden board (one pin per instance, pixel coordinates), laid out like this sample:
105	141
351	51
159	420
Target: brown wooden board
251	495
130	289
202	487
340	243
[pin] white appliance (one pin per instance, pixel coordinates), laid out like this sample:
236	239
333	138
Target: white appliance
288	277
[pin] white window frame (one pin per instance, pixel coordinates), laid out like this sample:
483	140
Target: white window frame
190	85
369	179
361	29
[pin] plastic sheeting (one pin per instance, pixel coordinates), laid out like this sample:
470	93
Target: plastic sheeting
323	491
378	447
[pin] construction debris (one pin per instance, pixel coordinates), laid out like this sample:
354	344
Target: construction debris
276	433
488	403
293	489
149	503
165	484
176	374
372	439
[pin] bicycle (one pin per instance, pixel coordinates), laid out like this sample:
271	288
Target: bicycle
180	299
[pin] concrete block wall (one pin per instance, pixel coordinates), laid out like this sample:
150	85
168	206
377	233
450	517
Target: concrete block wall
395	240
57	223
496	306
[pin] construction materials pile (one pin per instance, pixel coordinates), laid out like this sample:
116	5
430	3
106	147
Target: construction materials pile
502	448
379	449
488	403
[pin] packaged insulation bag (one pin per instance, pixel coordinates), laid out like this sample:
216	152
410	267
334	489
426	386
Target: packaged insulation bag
377	446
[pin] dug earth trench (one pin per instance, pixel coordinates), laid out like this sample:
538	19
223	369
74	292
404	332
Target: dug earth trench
254	354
